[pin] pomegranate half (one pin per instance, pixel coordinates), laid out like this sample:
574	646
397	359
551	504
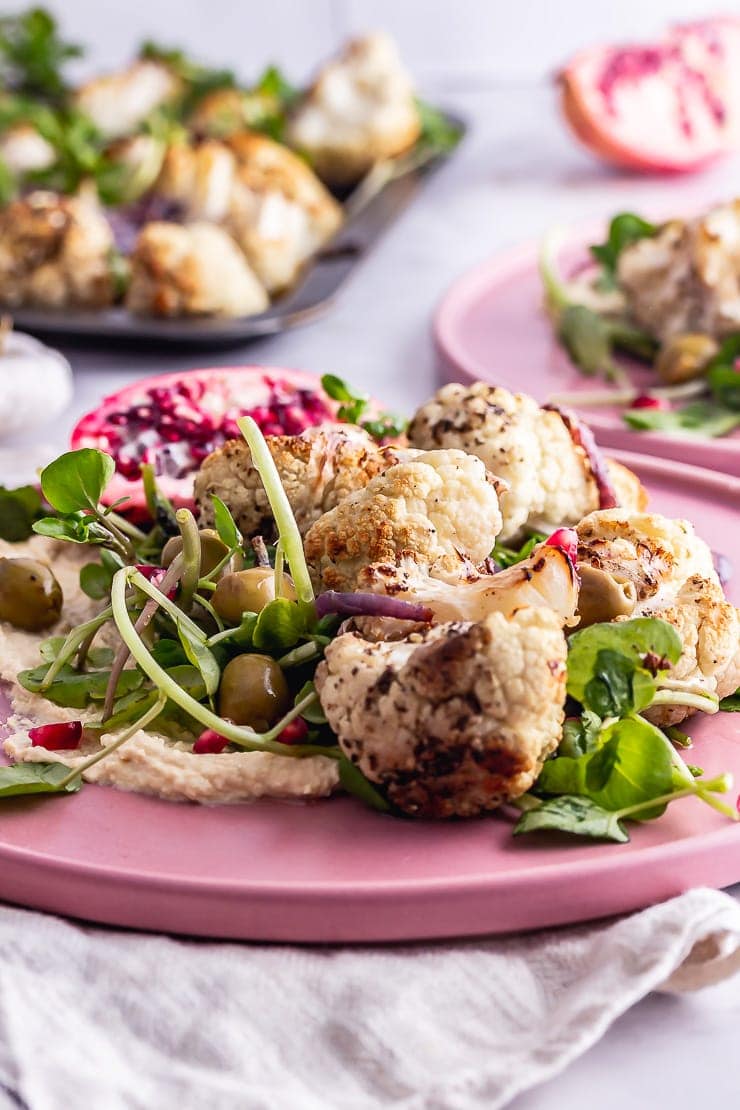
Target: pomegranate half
175	420
668	106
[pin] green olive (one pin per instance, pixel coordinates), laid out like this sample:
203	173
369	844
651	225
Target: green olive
247	591
253	692
685	357
30	596
212	550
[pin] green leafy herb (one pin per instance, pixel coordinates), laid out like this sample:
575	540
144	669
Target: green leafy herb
731	704
353	406
36	778
197	79
354	782
314	714
280	625
705	418
96	578
201	657
438	133
76	480
624	230
76	689
19	509
508	556
575	815
607	670
225	526
32	55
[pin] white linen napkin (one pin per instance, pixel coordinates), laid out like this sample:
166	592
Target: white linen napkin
97	1018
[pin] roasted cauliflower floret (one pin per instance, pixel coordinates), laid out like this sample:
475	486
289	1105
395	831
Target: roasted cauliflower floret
546	579
55	252
263	194
318	469
23	149
453	721
686	278
644	565
555	473
359	110
440	510
196	270
118	103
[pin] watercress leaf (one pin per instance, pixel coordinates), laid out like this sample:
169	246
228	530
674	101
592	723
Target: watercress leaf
314	714
19	508
704	418
36	778
618	686
438	133
634	639
575	815
95	580
587	339
201	657
279	626
76	480
354	782
580	734
49	649
337	389
387	425
190	679
58	529
625	228
562	775
100	657
633	766
731	704
225	526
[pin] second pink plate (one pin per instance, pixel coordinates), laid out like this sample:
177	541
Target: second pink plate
491	326
334	871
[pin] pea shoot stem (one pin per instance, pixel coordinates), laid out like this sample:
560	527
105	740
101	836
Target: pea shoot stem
238	734
191	556
290	537
72	642
142	722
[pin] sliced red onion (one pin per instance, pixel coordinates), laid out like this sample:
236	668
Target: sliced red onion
723	566
583	437
370	605
61	736
566	539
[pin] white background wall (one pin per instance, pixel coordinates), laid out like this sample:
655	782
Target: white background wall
444	41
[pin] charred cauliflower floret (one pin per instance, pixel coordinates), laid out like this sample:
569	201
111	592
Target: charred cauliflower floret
359	110
55	252
317	469
440	510
555	473
193	270
453	721
118	103
645	565
263	194
686	278
23	150
546	579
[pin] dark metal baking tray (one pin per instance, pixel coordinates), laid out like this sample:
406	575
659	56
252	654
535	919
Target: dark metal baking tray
373	206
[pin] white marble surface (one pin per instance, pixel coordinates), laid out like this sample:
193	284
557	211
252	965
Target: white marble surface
515	175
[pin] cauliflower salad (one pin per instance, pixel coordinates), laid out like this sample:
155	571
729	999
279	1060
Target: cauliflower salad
667	295
477	613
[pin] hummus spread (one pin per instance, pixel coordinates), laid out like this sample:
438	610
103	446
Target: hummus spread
150	762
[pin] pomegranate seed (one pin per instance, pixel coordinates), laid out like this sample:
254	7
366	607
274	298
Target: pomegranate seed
60	737
209	742
647	401
295	732
567	540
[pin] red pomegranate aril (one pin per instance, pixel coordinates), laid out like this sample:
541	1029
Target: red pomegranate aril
210	742
647	401
61	736
566	539
295	732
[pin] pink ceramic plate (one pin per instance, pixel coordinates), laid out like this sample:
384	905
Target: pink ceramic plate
491	326
334	871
